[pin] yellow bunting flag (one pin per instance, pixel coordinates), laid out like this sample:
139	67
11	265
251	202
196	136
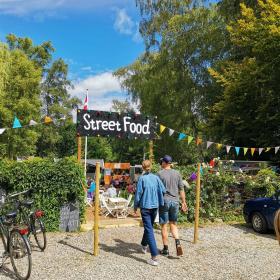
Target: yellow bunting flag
245	150
253	151
267	150
48	119
190	138
219	146
162	128
198	141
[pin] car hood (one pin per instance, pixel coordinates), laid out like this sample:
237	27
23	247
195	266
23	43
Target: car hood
260	200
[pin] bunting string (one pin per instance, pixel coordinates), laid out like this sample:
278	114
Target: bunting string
199	141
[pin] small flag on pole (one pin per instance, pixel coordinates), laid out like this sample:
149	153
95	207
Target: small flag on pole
16	123
86	102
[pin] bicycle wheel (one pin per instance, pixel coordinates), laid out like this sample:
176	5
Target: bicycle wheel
40	234
20	255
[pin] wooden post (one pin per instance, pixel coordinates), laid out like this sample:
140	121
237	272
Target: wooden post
96	210
79	140
197	205
151	151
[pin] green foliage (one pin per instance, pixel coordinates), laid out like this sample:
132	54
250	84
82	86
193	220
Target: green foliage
54	183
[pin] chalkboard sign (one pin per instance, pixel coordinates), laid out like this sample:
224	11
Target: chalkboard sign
69	217
109	124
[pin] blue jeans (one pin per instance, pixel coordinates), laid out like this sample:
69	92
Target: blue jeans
148	218
169	212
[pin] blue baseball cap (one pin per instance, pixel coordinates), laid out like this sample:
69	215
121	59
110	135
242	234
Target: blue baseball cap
166	159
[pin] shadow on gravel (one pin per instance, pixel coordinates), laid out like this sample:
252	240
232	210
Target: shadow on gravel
7	272
124	249
74	247
248	230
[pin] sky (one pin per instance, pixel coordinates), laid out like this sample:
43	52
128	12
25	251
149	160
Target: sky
94	37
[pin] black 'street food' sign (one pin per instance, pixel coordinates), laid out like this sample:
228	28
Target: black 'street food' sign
110	124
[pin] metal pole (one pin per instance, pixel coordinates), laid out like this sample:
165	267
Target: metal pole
96	210
85	167
79	140
196	224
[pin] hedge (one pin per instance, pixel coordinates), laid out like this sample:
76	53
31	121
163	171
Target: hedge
53	183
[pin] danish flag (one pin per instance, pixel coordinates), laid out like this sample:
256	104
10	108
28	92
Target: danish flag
86	102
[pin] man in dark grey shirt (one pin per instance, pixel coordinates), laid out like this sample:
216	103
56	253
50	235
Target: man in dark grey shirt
168	213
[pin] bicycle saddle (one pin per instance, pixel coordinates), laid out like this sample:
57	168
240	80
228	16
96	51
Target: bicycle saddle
27	203
11	215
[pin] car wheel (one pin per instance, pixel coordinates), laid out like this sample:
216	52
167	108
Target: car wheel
259	223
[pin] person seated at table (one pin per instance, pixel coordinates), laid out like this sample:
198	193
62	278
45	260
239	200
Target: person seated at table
112	191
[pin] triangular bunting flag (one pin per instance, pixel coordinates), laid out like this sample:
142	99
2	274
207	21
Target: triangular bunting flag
245	150
162	128
171	131
209	143
198	141
16	123
219	146
32	122
190	138
228	148
48	119
276	149
267	150
253	151
260	150
237	149
2	130
182	136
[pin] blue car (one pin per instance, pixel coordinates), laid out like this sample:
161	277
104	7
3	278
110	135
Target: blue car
260	212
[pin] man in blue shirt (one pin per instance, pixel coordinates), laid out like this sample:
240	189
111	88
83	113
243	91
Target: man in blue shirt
148	197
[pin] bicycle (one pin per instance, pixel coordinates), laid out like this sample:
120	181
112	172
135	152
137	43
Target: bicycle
33	219
16	245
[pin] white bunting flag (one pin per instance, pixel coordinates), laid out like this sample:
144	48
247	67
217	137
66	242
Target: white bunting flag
260	150
276	149
32	122
228	148
171	131
2	130
209	144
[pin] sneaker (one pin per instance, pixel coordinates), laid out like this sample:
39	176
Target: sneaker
179	250
164	252
144	249
152	262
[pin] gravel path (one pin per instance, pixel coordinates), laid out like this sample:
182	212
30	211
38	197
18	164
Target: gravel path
224	252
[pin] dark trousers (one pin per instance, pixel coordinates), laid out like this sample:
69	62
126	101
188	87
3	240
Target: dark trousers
148	218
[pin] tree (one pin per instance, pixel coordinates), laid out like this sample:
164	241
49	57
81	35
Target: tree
20	97
171	80
56	101
248	112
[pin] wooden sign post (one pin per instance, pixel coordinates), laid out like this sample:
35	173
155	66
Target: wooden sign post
151	151
197	205
79	153
96	211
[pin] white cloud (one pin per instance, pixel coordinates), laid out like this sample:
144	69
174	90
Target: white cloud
25	7
123	23
137	38
102	89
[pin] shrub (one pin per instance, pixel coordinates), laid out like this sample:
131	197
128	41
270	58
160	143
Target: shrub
53	184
